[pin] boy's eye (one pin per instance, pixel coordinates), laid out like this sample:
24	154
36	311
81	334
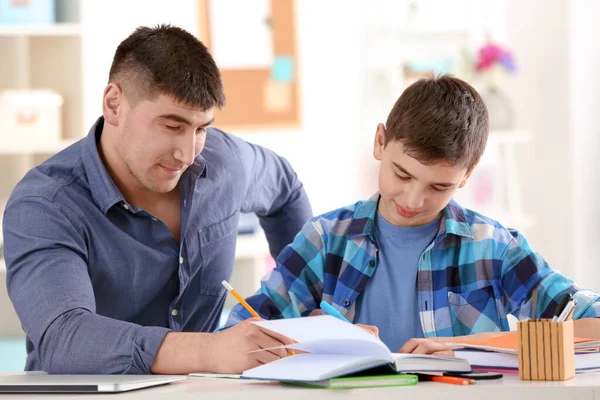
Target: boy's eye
200	130
438	189
172	127
404	178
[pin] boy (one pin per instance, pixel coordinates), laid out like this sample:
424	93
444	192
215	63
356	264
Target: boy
410	260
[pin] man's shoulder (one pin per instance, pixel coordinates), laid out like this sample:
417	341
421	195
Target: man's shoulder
220	144
46	180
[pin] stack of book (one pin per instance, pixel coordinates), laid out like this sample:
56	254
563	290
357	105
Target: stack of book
500	353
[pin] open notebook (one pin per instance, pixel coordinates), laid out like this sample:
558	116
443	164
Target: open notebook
336	348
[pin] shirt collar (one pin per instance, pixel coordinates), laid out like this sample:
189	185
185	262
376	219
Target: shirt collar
453	220
103	189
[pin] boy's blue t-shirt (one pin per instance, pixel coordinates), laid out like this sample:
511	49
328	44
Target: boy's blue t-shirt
389	300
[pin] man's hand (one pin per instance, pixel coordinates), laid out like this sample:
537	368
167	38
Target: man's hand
229	350
426	346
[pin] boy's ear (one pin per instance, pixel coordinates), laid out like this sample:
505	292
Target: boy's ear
379	143
111	103
467	176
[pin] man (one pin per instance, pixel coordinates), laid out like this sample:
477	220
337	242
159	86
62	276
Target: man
116	247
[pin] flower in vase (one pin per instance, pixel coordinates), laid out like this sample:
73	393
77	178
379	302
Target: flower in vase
494	62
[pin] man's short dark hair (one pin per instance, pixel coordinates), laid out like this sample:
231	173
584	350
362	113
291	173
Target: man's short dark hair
440	119
167	60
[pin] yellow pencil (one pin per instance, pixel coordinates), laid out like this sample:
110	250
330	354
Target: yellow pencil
246	305
240	299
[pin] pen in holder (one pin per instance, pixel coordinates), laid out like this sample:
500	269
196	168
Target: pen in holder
546	350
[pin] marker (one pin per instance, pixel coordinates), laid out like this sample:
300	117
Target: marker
332	311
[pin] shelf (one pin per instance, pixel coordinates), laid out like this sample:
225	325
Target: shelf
61	29
49	148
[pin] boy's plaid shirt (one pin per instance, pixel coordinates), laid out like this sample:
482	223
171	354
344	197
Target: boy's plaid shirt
469	279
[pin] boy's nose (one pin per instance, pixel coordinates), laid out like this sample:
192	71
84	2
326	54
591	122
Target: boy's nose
414	201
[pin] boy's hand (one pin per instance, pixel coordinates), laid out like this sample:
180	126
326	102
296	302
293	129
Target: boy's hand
426	346
372	329
229	350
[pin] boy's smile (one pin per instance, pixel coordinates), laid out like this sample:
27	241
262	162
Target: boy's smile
405	212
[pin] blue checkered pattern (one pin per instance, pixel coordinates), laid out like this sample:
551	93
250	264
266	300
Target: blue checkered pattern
469	279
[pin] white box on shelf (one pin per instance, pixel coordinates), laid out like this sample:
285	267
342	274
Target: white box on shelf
30	117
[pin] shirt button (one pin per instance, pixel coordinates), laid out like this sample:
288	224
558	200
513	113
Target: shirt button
174	312
180	260
125	206
371	263
154	219
346	303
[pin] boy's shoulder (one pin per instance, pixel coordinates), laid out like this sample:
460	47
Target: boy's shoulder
476	226
352	219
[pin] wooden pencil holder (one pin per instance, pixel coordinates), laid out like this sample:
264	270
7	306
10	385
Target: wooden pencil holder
546	350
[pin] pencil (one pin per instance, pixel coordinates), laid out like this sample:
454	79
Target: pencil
246	306
454	380
240	299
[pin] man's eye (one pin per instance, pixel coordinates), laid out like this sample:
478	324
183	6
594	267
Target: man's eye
172	127
404	178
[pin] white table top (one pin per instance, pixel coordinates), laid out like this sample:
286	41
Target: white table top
584	386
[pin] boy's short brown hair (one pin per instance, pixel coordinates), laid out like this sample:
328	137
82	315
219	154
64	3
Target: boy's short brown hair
167	60
440	119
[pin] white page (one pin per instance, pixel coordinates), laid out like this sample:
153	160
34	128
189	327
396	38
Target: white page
312	367
430	363
323	328
337	346
240	37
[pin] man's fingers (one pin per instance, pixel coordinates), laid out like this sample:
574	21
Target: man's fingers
278	337
265	341
264	357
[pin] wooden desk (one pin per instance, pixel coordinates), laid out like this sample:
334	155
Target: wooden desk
582	387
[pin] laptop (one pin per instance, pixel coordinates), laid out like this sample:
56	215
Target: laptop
37	382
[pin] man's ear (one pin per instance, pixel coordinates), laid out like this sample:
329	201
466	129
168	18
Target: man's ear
111	103
379	142
467	176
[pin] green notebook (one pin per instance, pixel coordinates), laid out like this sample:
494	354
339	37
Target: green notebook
357	382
